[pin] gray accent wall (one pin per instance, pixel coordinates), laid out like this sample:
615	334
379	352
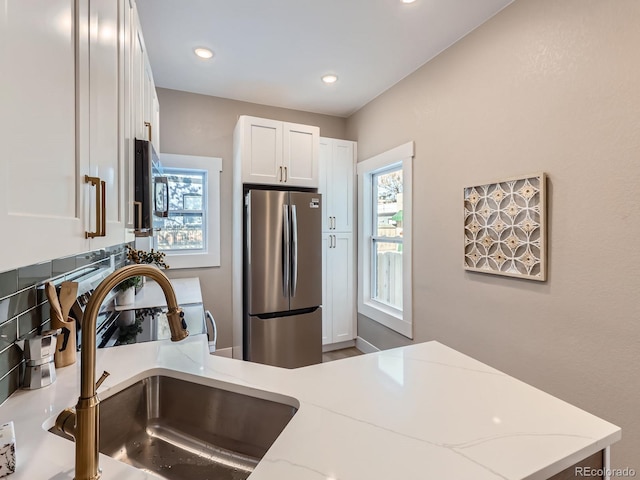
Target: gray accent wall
551	86
193	124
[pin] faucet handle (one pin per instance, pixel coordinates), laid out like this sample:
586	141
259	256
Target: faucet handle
177	324
102	378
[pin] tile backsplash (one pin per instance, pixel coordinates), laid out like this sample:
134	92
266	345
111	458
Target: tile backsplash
24	309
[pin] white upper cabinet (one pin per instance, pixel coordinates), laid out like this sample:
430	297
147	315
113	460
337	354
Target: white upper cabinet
300	155
40	166
104	85
65	118
337	164
277	153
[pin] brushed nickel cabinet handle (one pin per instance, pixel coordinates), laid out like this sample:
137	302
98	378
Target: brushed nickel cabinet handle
280	179
285	175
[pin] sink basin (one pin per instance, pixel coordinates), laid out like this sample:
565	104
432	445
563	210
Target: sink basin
177	429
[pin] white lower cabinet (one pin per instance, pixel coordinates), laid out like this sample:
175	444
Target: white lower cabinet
338	293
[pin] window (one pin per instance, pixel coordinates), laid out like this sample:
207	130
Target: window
185	227
190	233
384	236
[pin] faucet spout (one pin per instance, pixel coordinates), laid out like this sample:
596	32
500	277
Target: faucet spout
86	430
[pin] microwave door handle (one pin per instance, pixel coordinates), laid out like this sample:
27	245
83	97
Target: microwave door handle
161	208
286	268
165	213
294	250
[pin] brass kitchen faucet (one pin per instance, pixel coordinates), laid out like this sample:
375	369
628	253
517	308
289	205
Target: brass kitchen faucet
83	423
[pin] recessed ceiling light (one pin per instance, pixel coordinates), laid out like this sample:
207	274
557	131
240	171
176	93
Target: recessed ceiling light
330	78
408	1
203	52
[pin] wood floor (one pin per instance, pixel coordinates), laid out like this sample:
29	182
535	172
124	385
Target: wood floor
339	354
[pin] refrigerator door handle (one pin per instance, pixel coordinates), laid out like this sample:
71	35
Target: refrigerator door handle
294	250
286	261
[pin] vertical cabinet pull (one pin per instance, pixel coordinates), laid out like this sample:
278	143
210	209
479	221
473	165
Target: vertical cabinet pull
101	207
280	173
285	175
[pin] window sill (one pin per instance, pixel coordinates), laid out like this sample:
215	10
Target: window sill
192	260
387	316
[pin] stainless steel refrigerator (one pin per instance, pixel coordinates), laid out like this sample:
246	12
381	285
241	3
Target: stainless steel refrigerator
282	278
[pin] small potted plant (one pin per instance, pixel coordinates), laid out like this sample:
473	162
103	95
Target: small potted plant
144	257
127	290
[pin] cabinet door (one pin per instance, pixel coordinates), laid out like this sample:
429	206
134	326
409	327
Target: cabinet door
127	134
40	166
326	294
324	161
300	160
262	151
155	119
151	107
340	274
104	117
341	186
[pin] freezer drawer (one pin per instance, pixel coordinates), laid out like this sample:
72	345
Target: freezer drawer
292	341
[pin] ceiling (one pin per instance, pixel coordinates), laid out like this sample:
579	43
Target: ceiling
273	52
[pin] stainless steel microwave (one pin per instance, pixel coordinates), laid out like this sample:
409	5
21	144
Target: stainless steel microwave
151	188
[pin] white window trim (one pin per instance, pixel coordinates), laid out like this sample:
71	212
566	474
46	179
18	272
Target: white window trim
400	321
210	257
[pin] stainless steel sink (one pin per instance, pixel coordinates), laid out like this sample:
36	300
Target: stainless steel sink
176	429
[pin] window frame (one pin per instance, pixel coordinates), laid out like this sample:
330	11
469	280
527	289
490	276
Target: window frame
400	321
209	256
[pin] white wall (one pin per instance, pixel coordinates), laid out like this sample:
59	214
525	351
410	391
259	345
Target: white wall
546	85
192	124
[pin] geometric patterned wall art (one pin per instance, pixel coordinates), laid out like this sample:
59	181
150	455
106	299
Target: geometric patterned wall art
505	227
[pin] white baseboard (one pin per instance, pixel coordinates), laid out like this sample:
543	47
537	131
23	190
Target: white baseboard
224	352
338	346
365	347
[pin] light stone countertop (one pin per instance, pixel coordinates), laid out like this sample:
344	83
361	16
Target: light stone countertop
422	411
